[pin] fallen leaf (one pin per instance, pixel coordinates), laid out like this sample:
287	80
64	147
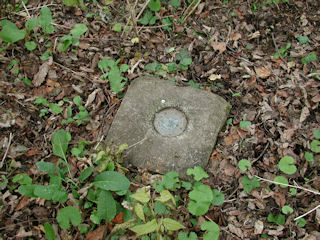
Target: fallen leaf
262	72
280	198
96	234
235	230
119	218
23	234
218	46
258	227
40	76
304	114
214	77
23	203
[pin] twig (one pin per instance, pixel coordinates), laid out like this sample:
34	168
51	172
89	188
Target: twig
24	6
69	69
6	152
130	71
95	148
276	46
305	214
288	185
143	8
51	4
149	27
188	13
261	154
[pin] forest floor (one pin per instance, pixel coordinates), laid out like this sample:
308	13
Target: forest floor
260	56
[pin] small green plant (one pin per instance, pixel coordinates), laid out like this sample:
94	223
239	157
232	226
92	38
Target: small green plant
75	3
277	219
311	57
250	184
286	165
244	123
112	72
73	38
184	59
155	5
81	117
14	67
282	52
148	18
10	33
303	39
244	164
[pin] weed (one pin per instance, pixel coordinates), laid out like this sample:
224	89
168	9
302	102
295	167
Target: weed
282	52
72	38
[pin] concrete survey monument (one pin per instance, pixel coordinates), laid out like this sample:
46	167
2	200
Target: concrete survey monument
167	127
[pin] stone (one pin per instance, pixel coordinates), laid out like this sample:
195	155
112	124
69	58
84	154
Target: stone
167	127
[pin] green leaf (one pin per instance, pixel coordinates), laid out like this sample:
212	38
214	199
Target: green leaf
160	208
55	108
218	197
148	18
10	32
187	185
3	182
49	231
281	179
198	208
171	181
117	27
312	57
286	165
116	80
315	146
244	164
46	167
184	236
22	178
278	219
138	209
124	67
146	228
32	23
51	192
142	195
309	156
213	230
85	174
197	172
30	45
67	215
301	222
244	124
155	5
201	193
171	224
303	39
286	209
166	196
60	140
250	184
194	84
71	3
106	206
78	30
112	181
175	3
316	134
45	20
77	100
172	67
46	55
27	190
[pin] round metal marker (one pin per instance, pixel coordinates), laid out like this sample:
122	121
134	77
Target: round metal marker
170	122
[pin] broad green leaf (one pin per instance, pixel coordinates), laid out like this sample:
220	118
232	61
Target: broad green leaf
281	179
184	236
32	23
171	181
117	82
244	124
213	230
309	156
146	228
172	67
244	164
160	208
60	140
312	57
315	146
286	209
79	29
67	215
51	192
31	45
55	108
112	181
10	32
277	219
138	209
201	193
197	172
41	101
286	165
45	19
171	224
85	174
49	231
27	190
77	100
124	67
175	3
301	222
198	208
22	178
250	184
303	39
218	197
142	195
106	206
316	134
46	167
165	196
71	3
117	27
155	5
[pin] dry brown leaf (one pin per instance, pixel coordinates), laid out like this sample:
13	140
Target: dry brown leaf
262	72
235	230
304	114
96	234
23	234
258	227
218	46
23	203
39	78
228	169
280	198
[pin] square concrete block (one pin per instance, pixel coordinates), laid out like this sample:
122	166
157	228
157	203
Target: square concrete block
168	127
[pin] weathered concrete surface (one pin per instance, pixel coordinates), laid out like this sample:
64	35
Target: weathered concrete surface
183	143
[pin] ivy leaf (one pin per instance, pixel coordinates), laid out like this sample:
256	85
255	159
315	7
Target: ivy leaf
184	236
286	209
244	164
67	215
166	196
60	140
55	108
286	165
10	33
316	134
201	193
277	219
112	181
49	231
78	30
198	208
213	230
106	206
281	179
309	156
171	224
155	5
198	173
250	184
146	228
